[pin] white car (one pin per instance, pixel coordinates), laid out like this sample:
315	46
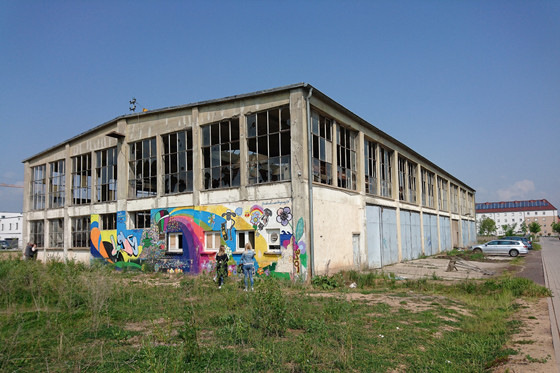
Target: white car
509	247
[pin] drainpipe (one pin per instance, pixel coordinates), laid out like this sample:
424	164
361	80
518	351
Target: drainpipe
310	184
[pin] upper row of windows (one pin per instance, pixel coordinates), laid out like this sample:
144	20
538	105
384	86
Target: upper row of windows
268	160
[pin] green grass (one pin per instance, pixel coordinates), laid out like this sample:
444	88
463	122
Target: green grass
59	317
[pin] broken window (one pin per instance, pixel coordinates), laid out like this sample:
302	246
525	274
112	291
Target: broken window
431	199
385	156
140	219
402	178
80	231
220	154
38	187
56	233
268	144
370	167
37	233
142	166
108	221
106	173
411	182
454	198
322	148
57	184
427	188
81	179
346	157
178	162
442	190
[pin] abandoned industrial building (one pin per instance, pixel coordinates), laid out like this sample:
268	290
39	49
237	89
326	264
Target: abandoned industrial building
312	186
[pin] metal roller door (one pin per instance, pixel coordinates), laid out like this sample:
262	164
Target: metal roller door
382	236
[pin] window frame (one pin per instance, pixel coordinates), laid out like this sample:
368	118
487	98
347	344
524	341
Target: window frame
248	235
370	166
81	179
177	159
277	248
386	171
141	219
214	237
268	145
38	187
80	231
106	175
346	160
108	222
219	147
56	233
322	147
177	249
37	232
57	183
142	168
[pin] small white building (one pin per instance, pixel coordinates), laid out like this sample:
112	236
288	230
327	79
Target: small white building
11	228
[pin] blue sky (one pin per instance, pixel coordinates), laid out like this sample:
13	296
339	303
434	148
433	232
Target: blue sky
474	86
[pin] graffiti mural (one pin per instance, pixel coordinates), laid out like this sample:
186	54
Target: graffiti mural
186	239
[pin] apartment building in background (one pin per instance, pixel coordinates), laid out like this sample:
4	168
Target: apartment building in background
518	212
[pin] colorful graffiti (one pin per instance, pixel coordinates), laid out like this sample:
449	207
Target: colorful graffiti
185	240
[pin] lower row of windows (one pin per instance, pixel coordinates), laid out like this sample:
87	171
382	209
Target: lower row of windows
81	229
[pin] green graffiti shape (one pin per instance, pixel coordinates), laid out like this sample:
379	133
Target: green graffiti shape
299	229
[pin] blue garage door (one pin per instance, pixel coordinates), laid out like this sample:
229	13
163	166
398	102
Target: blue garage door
382	236
411	235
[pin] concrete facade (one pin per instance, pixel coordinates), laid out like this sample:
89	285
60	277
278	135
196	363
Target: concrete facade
385	203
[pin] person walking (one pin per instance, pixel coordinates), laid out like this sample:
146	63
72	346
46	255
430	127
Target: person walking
221	265
248	265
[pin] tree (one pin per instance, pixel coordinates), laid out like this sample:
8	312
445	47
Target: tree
534	228
556	227
487	227
509	229
524	228
504	228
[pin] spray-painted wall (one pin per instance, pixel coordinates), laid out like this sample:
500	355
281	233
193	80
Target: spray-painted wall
278	239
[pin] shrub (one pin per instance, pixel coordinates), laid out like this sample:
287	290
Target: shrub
326	282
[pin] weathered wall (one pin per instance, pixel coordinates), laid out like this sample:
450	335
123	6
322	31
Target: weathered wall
338	215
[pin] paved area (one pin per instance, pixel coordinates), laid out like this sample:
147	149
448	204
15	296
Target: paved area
551	266
437	267
543	267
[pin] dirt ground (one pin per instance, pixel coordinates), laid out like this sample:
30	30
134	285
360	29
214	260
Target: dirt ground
534	340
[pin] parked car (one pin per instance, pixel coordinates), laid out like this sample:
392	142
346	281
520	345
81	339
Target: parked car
502	246
4	245
525	240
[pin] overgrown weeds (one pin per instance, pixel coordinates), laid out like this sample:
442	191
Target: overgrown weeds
70	317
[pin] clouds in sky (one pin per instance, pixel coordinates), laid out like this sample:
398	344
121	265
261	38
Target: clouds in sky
522	189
